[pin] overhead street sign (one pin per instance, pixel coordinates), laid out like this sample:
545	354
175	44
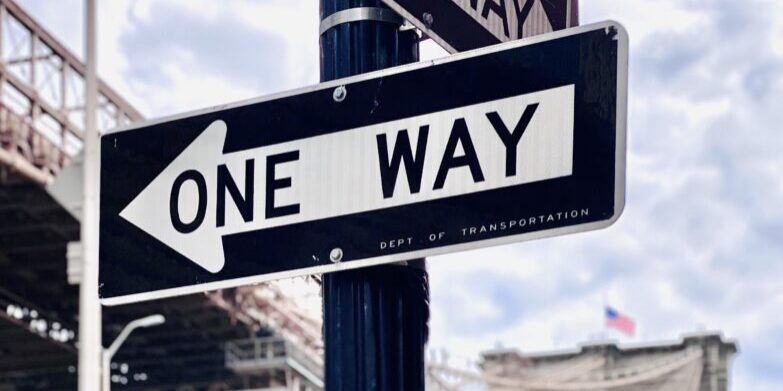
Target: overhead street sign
461	25
514	142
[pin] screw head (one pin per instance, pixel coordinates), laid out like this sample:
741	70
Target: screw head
339	94
336	255
428	19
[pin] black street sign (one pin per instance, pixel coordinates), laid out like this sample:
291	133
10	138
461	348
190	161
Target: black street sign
461	25
514	142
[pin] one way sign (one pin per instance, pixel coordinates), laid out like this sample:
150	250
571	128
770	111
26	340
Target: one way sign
211	194
461	25
393	165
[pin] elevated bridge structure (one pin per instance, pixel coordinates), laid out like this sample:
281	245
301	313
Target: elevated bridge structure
42	91
42	95
699	362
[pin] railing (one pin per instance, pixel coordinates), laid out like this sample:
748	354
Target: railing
254	355
27	150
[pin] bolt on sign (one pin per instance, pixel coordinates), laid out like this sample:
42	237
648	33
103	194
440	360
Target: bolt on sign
461	25
513	142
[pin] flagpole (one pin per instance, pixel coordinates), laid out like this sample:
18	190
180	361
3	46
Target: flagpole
605	305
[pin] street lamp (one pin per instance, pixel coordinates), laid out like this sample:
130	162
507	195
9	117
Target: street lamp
108	353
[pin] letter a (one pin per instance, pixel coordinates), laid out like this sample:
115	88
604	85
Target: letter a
459	134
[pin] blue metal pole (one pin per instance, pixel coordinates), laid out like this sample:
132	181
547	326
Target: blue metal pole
375	319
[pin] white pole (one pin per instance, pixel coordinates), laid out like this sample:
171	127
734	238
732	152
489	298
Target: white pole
105	371
89	308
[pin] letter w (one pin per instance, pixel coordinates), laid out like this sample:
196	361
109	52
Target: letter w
402	153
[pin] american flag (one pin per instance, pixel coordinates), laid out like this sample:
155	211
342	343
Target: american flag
619	321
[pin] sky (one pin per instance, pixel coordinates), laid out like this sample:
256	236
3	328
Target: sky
699	245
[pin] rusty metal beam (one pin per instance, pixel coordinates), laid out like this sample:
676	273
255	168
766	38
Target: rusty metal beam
32	94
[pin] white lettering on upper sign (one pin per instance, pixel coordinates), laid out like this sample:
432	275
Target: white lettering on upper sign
205	194
510	19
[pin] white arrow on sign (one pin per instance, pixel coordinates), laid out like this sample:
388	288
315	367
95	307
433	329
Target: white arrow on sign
151	211
204	194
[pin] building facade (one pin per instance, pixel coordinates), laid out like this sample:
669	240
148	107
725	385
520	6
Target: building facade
698	362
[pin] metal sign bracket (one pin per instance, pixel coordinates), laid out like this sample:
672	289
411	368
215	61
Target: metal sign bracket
358	14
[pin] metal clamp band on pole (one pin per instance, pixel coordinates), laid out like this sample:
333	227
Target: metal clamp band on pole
358	14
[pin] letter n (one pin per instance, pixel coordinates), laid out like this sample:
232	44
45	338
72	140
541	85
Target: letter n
225	182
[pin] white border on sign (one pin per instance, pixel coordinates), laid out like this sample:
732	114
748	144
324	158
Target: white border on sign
620	166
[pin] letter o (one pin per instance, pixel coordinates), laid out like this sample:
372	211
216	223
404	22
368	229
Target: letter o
201	211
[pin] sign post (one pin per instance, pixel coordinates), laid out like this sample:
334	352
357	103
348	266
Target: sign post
375	319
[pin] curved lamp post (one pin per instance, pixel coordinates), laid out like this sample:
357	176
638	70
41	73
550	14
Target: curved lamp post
108	353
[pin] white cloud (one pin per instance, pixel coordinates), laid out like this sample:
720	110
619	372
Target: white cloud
699	243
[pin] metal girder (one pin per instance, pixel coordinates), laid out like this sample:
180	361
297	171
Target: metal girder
35	337
57	247
43	83
45	360
13	61
8	334
30	92
68	57
28	229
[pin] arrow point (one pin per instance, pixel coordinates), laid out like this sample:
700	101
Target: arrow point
149	210
205	251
